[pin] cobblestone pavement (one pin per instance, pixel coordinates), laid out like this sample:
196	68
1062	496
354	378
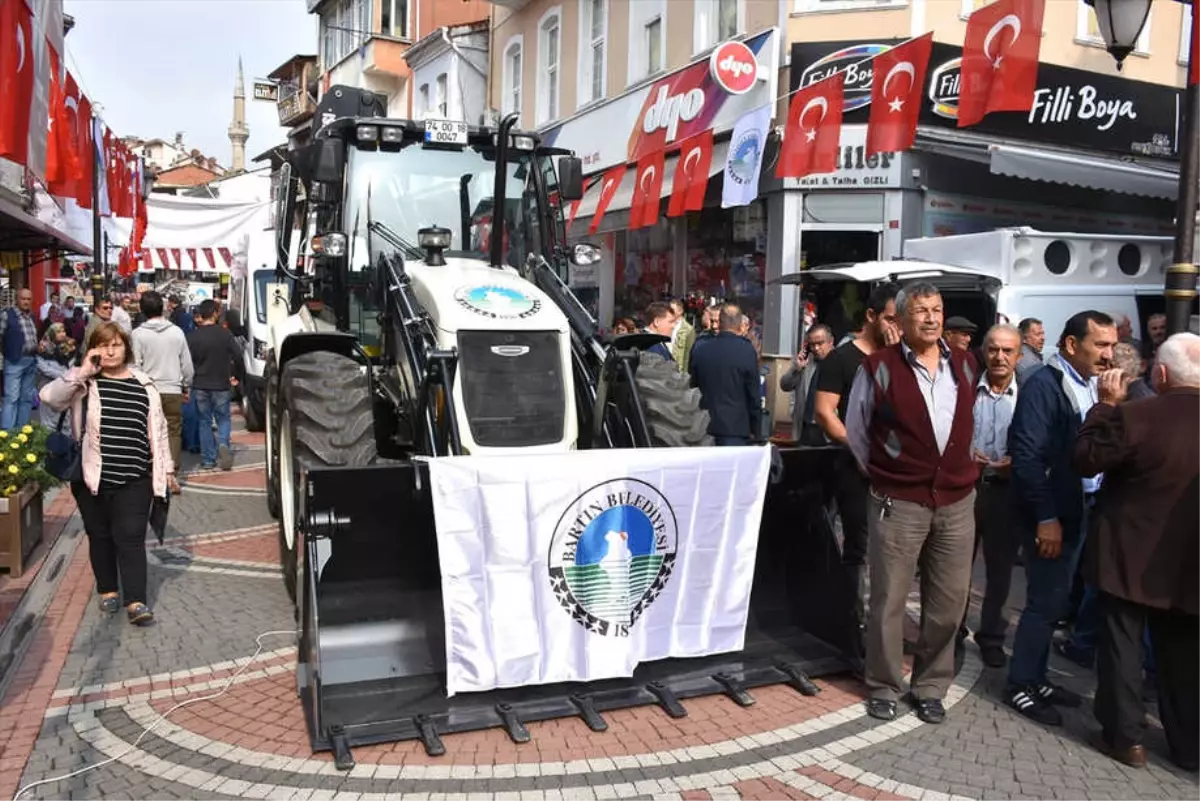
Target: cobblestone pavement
90	686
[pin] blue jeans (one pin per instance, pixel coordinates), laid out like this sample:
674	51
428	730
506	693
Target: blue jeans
1047	590
210	405
19	378
190	432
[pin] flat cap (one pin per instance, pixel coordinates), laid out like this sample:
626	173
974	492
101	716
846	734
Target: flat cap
960	324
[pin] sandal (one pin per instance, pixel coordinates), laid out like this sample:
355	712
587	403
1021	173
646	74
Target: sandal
881	708
140	614
110	604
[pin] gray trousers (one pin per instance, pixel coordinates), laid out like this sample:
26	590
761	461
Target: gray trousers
942	541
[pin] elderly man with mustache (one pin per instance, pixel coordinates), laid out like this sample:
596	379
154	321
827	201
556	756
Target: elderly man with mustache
910	425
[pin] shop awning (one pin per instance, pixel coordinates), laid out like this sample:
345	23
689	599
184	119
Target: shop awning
624	197
20	230
1087	170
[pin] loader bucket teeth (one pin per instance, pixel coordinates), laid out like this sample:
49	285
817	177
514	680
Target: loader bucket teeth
512	723
734	689
587	710
666	699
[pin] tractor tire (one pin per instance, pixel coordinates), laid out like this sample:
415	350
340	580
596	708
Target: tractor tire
271	426
672	405
326	402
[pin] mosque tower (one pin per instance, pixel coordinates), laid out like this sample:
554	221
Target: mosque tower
238	132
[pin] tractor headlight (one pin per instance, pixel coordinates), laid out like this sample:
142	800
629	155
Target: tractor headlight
584	254
393	136
366	133
329	245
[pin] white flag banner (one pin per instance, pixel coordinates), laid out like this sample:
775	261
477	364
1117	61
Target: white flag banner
578	567
744	161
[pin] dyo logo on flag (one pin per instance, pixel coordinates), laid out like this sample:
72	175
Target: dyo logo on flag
610	562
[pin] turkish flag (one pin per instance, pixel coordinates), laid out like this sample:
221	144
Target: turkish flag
691	174
16	79
1194	72
647	190
897	84
609	185
57	154
813	130
1000	59
86	150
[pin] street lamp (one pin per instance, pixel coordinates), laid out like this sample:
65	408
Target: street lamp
1121	23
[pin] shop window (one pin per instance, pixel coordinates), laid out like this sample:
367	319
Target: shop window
716	21
642	271
593	56
511	76
1088	30
423	100
549	56
726	257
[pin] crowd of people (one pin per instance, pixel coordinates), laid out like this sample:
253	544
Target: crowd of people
139	385
722	360
1082	466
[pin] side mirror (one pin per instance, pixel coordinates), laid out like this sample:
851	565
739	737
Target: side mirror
570	178
285	210
331	159
584	254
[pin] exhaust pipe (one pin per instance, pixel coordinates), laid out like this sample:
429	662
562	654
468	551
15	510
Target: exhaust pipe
500	188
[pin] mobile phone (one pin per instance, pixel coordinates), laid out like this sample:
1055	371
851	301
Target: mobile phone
96	360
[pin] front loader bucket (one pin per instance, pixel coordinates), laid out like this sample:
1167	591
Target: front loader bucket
371	666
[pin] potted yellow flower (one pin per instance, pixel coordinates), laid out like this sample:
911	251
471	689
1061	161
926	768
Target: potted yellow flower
23	479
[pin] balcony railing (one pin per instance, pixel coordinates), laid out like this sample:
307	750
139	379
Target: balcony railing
294	104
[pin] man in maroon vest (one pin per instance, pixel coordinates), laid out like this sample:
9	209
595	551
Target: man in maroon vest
910	425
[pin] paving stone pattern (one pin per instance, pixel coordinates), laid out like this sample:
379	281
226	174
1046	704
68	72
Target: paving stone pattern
216	586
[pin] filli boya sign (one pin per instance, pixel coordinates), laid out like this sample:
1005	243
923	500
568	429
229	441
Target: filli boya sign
1071	107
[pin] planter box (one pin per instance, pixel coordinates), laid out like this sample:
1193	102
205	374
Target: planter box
20	528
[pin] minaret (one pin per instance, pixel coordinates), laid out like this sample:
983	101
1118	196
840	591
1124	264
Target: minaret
238	132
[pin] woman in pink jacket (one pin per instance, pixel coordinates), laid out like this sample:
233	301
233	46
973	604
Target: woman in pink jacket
126	459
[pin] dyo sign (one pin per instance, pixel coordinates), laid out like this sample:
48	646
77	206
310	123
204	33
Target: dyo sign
733	67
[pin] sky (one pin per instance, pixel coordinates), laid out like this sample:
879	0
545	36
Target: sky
161	66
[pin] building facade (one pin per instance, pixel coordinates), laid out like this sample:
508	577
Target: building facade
362	42
449	68
1099	151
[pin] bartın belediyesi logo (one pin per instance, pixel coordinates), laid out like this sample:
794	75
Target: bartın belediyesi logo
612	554
497	302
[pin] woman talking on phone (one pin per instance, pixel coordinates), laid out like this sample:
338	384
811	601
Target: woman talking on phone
125	460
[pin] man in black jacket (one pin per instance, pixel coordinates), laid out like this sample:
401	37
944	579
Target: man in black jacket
725	368
1052	502
217	359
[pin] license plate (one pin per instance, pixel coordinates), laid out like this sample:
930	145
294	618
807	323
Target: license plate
445	132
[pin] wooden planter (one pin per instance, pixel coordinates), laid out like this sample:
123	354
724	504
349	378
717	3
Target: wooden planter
20	528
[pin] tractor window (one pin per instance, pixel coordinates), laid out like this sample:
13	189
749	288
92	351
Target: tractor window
420	187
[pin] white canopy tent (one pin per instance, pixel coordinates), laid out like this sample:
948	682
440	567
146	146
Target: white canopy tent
196	234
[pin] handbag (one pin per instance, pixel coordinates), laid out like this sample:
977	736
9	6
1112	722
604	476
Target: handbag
64	454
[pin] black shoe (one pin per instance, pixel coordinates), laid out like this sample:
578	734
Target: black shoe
881	708
993	655
1030	703
929	710
1059	696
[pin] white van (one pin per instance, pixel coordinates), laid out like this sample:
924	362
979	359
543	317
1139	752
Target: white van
1051	276
256	300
